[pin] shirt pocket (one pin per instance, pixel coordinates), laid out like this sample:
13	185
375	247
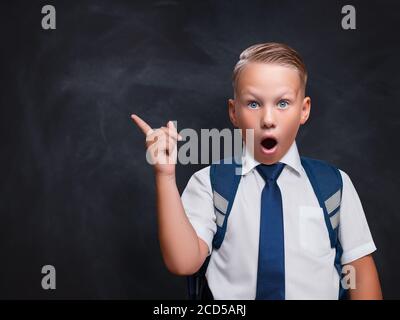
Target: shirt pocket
314	236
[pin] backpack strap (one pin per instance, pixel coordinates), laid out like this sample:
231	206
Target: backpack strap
225	177
327	183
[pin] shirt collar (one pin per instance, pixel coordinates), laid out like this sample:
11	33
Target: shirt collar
291	158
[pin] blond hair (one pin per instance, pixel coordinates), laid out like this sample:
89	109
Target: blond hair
271	52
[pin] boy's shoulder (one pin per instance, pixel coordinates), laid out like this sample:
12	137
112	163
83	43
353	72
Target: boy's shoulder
201	176
205	171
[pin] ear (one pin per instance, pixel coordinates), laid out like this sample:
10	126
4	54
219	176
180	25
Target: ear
305	110
232	112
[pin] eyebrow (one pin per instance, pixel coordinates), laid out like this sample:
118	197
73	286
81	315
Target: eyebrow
251	93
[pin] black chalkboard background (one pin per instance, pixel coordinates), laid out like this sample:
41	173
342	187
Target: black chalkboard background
76	190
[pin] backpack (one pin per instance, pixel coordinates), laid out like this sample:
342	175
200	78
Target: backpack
225	177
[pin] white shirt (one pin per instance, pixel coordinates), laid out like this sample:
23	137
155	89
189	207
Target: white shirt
309	258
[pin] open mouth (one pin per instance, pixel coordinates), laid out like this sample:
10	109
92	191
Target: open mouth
269	143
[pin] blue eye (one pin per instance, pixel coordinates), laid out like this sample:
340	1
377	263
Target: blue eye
282	104
253	105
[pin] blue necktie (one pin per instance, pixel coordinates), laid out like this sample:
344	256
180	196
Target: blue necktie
271	251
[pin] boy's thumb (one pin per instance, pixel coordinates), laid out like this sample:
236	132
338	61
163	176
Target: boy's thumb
170	125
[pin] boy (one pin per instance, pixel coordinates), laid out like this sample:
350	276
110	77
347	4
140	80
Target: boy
276	244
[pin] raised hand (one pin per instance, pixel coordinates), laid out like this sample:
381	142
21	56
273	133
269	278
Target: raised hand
161	149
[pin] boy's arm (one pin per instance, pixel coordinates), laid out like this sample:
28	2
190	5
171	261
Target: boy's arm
182	250
357	243
367	280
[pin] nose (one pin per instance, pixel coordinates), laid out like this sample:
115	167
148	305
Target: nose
268	118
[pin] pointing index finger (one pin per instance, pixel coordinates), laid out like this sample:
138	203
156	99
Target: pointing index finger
146	129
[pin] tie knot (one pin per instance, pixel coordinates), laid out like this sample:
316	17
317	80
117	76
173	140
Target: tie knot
270	172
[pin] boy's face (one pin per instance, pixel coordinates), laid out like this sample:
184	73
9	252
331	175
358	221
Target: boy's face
269	99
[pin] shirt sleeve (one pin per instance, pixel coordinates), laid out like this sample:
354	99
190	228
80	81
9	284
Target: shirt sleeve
198	204
354	234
